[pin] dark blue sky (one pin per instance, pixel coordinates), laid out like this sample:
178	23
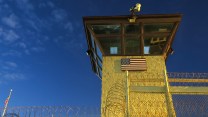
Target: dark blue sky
42	47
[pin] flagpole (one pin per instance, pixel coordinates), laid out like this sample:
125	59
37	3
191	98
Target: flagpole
127	94
6	104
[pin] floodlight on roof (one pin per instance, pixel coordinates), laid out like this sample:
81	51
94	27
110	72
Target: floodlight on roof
136	8
133	10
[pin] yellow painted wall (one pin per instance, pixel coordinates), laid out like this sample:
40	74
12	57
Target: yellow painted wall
141	104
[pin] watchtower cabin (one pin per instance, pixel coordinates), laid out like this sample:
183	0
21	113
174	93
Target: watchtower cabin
128	54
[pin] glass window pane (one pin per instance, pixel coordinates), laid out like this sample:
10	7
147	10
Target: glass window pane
92	41
100	73
99	63
158	28
99	53
132	46
111	45
154	44
132	29
106	29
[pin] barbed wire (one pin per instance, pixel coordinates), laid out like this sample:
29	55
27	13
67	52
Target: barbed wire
187	75
115	101
191	76
51	111
184	105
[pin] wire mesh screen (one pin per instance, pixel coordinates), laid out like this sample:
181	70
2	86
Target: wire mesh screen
191	105
147	104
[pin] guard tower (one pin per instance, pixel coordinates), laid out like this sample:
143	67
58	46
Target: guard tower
128	53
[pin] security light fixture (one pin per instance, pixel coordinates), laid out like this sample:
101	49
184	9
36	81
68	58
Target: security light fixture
136	8
133	10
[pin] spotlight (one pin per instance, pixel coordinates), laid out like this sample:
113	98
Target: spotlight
133	10
136	8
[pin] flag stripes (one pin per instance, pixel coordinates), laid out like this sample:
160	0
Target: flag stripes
134	64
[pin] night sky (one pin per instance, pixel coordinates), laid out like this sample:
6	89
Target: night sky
43	45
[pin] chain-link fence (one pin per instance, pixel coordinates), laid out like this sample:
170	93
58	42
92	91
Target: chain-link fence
193	104
52	111
184	106
142	103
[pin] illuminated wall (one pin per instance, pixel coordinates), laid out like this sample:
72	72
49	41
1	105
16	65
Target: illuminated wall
140	104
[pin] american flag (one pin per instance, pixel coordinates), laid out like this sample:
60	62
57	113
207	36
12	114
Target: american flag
134	64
